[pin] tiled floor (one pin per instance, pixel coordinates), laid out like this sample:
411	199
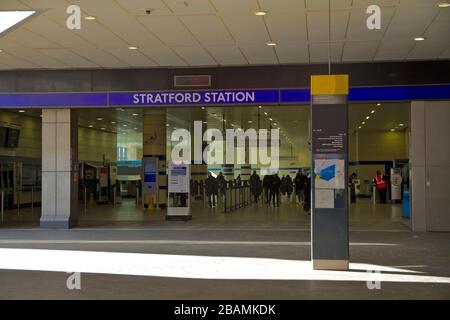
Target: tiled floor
124	252
363	215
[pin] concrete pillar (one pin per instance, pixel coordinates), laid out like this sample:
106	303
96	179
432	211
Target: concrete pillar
59	168
417	161
154	140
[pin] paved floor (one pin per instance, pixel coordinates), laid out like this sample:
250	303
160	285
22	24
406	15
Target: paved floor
248	254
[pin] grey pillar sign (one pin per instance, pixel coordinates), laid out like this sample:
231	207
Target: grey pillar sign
329	205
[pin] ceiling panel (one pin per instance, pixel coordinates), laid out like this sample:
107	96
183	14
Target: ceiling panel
133	32
411	21
227	55
318	25
162	55
381	3
319	52
389	50
259	54
139	6
57	33
279	23
133	58
71	59
195	56
323	4
248	6
293	54
190	7
98	34
170	30
12	5
16	62
360	50
224	32
101	58
247	29
29	39
357	28
283	6
37	57
209	30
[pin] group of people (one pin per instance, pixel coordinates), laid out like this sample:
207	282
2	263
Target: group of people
272	186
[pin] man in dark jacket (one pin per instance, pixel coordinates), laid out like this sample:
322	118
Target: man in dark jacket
267	182
300	184
222	185
211	189
255	181
275	190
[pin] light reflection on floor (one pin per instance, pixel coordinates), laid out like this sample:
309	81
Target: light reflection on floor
198	267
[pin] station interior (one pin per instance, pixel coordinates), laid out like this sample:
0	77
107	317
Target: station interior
111	146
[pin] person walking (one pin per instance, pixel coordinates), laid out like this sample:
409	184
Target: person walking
380	181
275	190
300	184
222	185
289	186
255	182
266	187
211	189
283	185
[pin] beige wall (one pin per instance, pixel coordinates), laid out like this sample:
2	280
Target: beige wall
378	145
430	165
30	134
93	144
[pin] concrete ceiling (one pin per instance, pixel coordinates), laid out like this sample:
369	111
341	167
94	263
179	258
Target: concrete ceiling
221	32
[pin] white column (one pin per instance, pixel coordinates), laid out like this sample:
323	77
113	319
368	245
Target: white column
59	168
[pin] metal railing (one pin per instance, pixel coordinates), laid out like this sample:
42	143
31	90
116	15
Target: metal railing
236	197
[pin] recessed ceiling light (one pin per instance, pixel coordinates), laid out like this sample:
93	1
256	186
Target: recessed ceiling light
135	128
373	111
271	44
90	126
265	113
90	18
419	38
203	108
135	114
132	48
9	19
259	107
113	122
378	104
359	127
392	130
124	125
401	124
260	13
1	50
204	122
367	118
249	121
102	128
270	119
363	122
444	5
99	119
167	125
21	111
